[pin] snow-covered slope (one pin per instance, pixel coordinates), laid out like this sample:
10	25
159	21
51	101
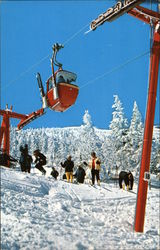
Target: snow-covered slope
38	212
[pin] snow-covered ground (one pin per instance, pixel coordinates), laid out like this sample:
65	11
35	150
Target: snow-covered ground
38	212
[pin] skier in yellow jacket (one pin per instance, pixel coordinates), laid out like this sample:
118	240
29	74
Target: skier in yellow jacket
95	166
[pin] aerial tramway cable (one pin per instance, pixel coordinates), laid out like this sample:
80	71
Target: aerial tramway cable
95	79
115	69
27	70
46	57
90	81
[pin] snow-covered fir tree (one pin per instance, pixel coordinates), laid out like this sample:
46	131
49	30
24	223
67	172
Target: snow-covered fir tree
118	137
87	119
155	156
135	135
15	142
107	153
136	127
88	139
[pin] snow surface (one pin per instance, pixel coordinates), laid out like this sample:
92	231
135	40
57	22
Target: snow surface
38	212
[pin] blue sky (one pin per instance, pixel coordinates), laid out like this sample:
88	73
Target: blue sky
30	28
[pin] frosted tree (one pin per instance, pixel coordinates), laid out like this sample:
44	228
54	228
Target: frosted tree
118	137
29	137
54	143
155	155
135	135
51	146
44	139
88	141
136	127
119	123
35	141
87	119
63	143
107	153
14	144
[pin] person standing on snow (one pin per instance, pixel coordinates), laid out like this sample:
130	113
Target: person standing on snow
22	160
25	159
40	161
95	166
68	165
80	174
28	159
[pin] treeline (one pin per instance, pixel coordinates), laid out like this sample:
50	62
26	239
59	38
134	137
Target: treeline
120	146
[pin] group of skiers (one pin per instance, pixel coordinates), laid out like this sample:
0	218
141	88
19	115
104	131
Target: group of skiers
125	178
25	161
94	164
40	160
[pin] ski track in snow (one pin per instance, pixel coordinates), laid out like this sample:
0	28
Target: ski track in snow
38	212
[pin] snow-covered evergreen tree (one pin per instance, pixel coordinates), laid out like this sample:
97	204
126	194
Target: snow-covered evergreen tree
155	156
15	144
119	123
107	153
136	127
87	119
44	142
88	140
135	135
118	137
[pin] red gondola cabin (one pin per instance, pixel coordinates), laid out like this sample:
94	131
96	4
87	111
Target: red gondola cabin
64	94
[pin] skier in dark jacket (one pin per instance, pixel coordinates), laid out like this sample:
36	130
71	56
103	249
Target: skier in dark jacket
68	165
128	179
22	160
54	173
29	159
25	159
40	161
80	174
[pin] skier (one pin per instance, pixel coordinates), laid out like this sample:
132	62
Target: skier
95	166
40	161
68	165
22	160
25	159
28	158
54	173
80	174
128	179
